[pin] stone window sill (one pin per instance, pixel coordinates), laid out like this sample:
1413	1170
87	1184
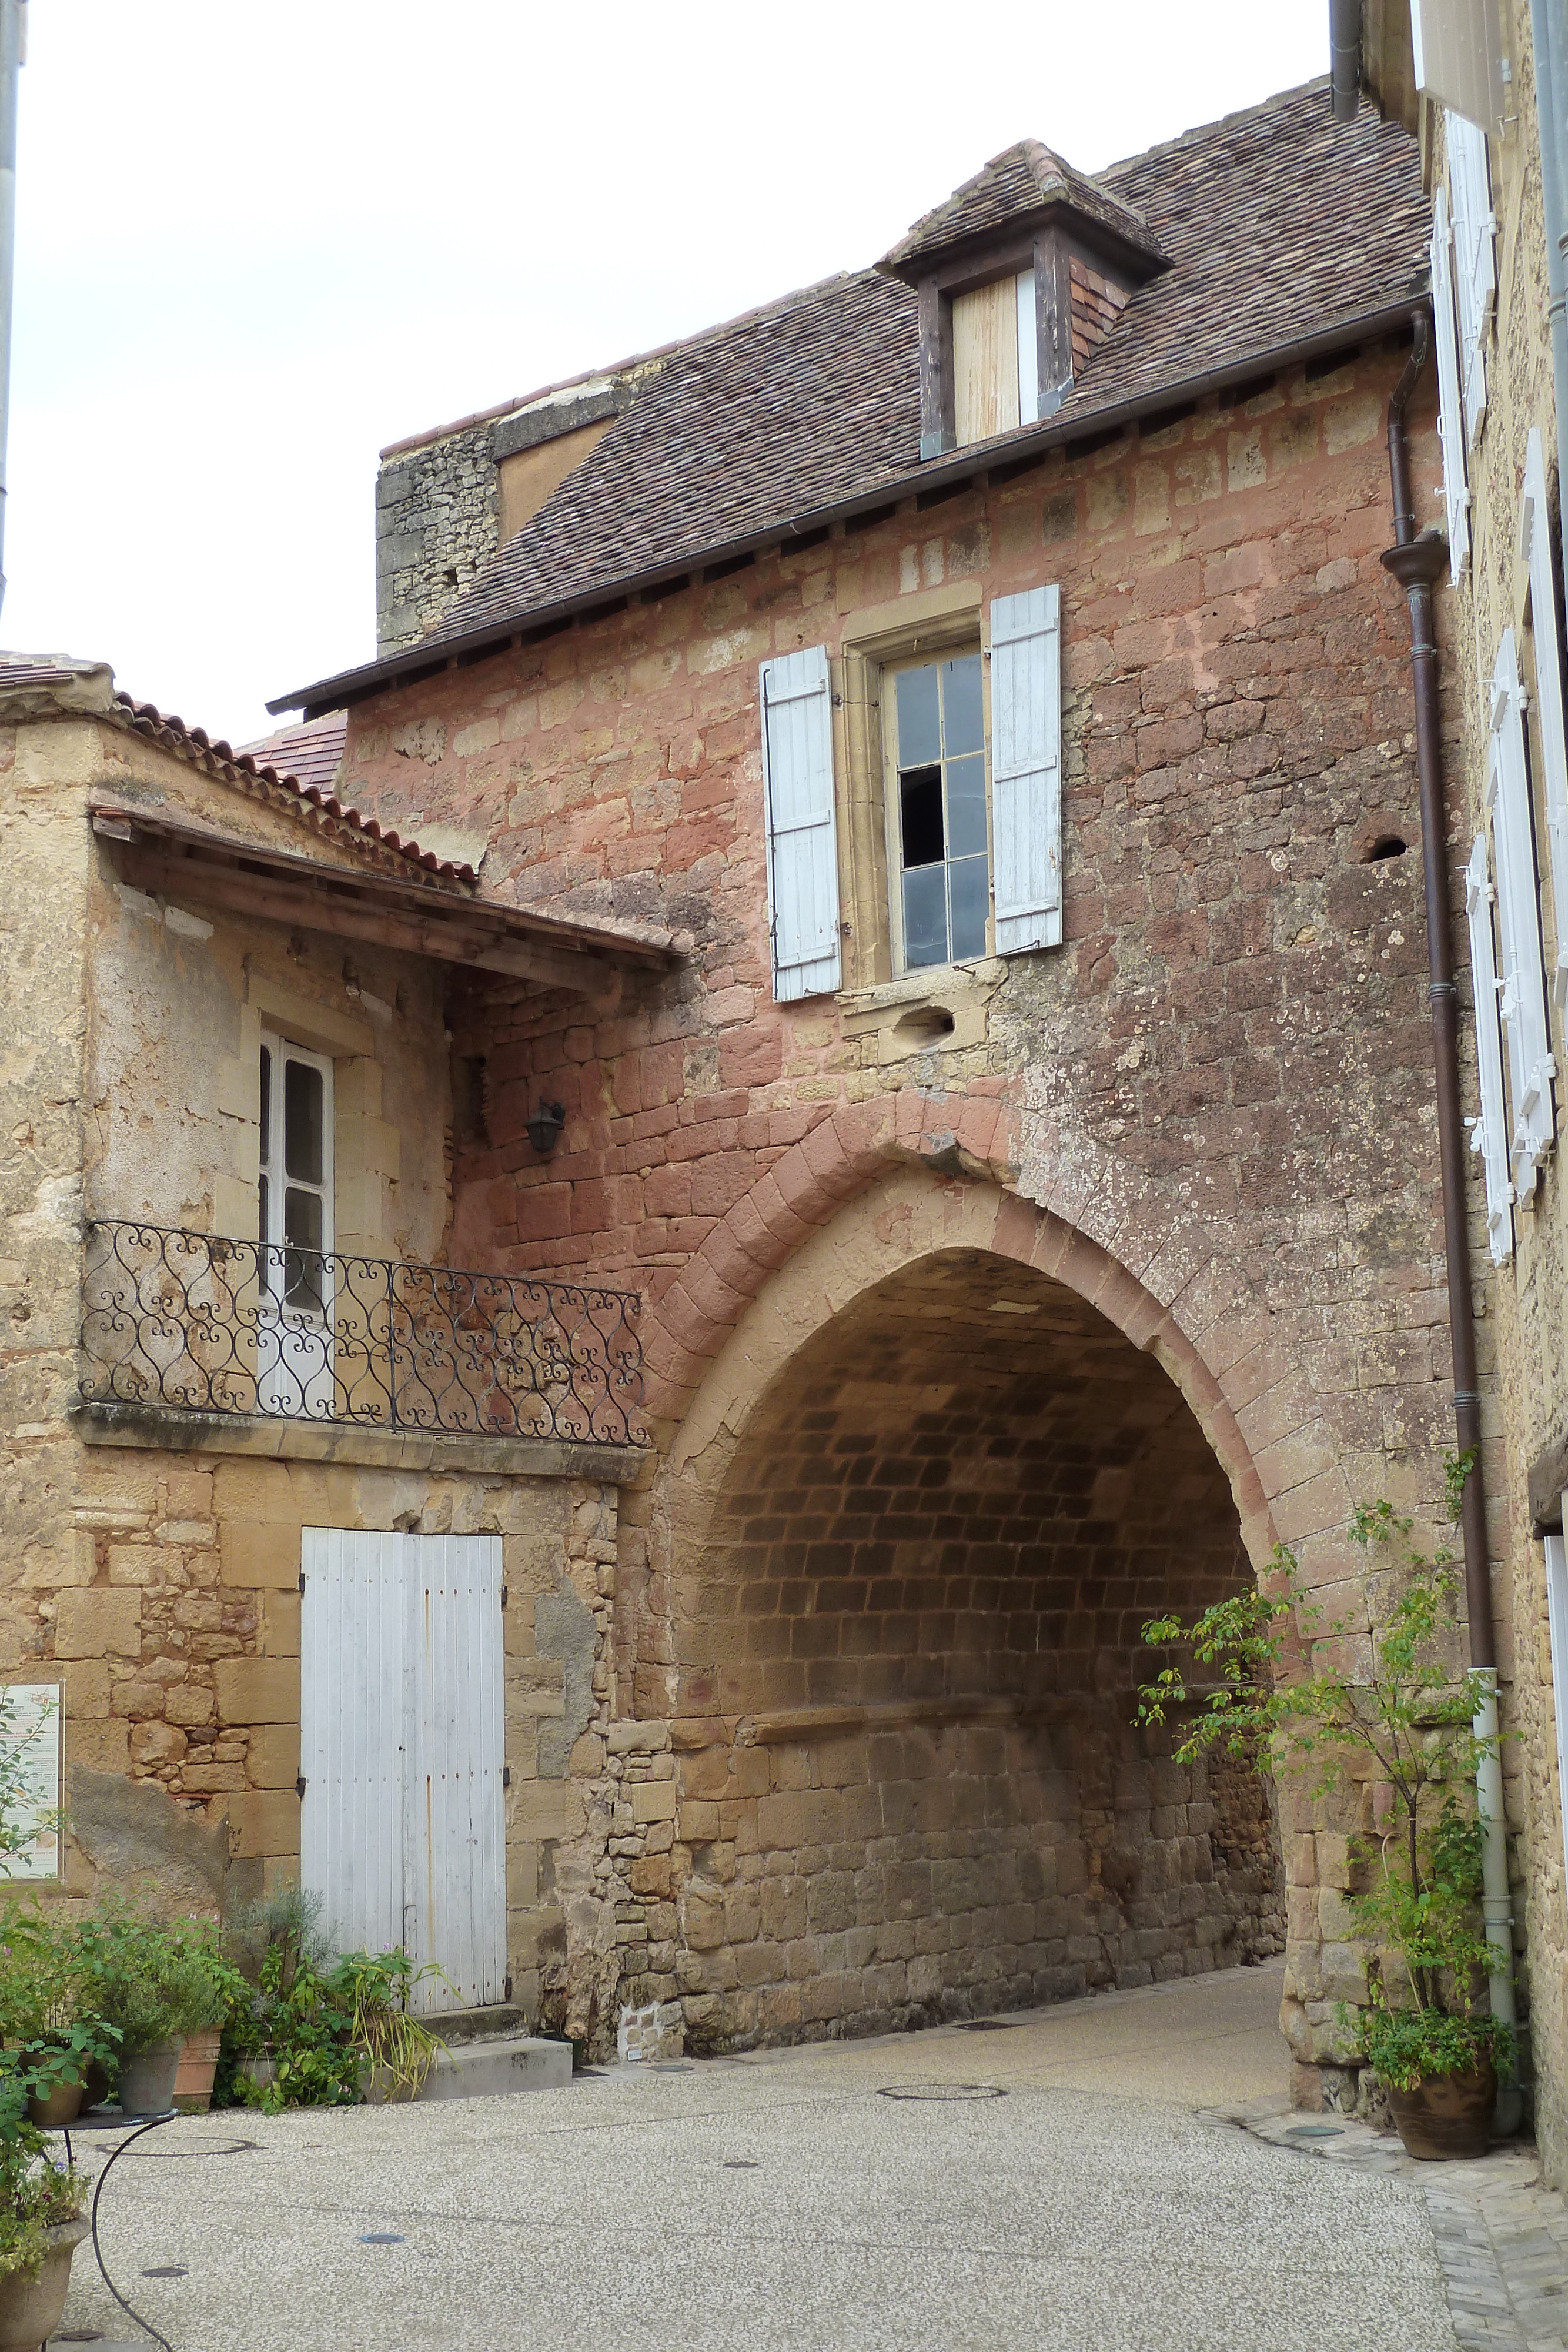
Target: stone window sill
943	1010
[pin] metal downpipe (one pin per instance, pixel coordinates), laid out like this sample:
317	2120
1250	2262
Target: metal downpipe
1345	58
1416	560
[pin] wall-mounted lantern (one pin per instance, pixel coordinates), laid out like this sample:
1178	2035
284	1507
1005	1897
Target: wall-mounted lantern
544	1129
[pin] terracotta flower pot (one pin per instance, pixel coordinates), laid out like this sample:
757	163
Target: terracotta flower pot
62	2106
1447	2115
147	2079
198	2065
31	2307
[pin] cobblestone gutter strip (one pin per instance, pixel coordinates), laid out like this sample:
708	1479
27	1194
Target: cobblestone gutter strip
1501	2236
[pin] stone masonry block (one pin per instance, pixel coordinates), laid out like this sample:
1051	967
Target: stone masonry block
257	1690
95	1623
261	1552
654	1801
263	1821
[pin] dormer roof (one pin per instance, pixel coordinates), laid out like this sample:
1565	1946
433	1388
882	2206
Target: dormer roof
1016	193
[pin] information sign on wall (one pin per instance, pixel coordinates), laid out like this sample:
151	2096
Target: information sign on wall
30	1779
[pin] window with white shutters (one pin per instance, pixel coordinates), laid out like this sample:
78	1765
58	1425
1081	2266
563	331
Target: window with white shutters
1475	280
1523	998
1535	546
1450	399
802	842
1026	769
1488	1128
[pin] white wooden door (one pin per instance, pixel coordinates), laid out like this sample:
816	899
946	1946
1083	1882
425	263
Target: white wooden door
401	1752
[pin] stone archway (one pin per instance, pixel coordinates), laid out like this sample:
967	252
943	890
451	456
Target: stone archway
897	1646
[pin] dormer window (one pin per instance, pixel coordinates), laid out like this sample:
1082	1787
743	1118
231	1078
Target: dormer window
1021	272
995	358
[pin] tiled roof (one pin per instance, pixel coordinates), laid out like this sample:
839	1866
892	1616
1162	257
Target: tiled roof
311	754
1278	223
92	684
1017	182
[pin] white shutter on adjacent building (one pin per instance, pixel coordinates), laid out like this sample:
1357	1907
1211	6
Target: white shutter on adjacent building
1475	278
802	840
1523	1000
1450	400
1488	1128
1557	1639
1026	769
1535	546
1458	56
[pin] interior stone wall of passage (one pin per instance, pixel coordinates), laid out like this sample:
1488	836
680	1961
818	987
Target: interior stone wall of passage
957	1510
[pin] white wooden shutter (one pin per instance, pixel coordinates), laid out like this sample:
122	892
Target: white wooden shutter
1488	1128
1557	1638
353	1708
1535	546
1475	278
1450	400
1456	48
403	1829
1026	769
802	838
1523	1000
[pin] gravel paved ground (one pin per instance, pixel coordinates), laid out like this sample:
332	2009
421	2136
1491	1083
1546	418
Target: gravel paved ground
784	2200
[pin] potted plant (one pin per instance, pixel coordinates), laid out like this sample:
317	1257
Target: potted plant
1286	1694
40	2219
46	2014
156	1985
395	2049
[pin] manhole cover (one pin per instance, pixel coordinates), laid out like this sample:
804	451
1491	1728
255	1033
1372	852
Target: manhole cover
942	2091
741	2164
382	2238
167	2270
188	2154
1315	2131
671	2067
987	2025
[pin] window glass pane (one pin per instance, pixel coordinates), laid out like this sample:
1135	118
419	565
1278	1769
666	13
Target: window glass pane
303	1266
302	1121
966	805
265	1105
925	916
919	737
970	889
964	729
920	797
261	1234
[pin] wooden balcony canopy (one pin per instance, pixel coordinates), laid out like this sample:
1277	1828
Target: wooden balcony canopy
168	855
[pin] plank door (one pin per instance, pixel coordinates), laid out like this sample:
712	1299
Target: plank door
401	1752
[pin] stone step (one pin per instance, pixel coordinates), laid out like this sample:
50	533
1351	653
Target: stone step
455	2025
493	2068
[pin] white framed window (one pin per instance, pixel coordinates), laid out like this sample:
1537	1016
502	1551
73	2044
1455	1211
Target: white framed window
1535	548
935	804
296	1193
973	830
1523	1001
1450	398
995	358
1475	275
1488	1128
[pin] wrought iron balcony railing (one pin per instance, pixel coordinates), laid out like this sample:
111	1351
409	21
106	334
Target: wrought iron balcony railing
192	1323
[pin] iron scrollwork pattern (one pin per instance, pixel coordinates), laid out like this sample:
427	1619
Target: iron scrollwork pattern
193	1323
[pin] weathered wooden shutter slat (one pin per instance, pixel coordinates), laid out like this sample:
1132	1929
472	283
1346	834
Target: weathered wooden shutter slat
1475	278
1450	400
1488	1128
802	839
1531	1069
1026	769
1535	535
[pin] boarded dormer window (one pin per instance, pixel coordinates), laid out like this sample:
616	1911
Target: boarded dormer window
996	367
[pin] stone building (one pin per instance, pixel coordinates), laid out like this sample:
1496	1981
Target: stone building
1489	108
963	706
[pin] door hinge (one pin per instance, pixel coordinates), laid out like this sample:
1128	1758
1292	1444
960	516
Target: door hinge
503	1596
506	1987
299	1786
302	1580
506	1776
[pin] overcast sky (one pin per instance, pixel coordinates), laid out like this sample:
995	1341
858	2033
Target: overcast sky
254	243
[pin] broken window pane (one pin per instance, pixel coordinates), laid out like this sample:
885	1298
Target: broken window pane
920	794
